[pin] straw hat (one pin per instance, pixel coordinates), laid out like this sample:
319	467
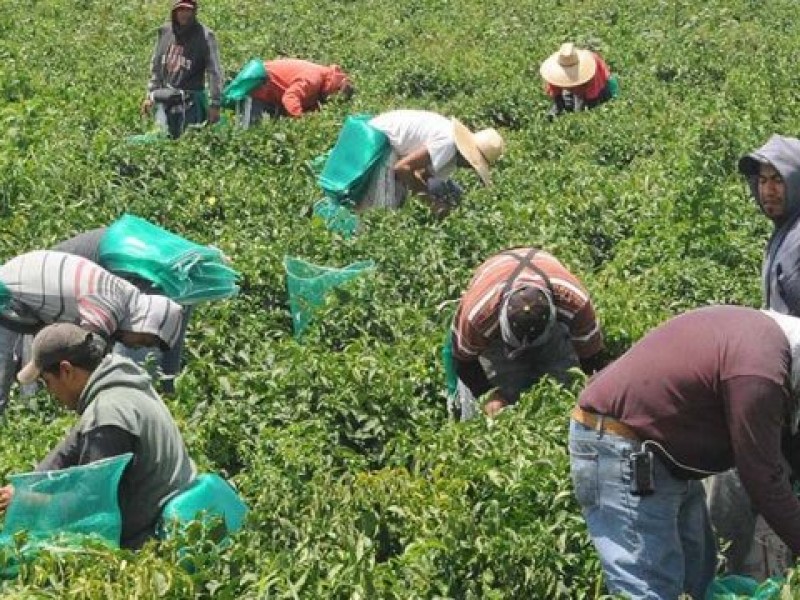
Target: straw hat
480	150
568	67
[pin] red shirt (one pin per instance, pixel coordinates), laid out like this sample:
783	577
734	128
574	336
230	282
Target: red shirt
592	88
298	85
711	387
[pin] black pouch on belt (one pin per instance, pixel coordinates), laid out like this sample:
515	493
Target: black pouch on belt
642	473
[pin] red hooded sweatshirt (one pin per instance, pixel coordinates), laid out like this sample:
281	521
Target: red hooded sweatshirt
299	85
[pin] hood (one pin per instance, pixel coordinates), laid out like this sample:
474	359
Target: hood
114	371
177	29
333	80
154	314
783	153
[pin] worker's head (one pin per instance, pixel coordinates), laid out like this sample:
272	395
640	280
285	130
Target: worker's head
479	150
154	321
336	81
527	316
64	357
569	68
184	12
773	174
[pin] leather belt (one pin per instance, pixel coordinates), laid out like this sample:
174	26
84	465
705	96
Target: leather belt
603	423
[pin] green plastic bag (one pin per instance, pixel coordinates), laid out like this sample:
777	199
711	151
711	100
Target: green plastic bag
735	587
308	284
359	148
337	218
251	76
182	270
208	496
62	510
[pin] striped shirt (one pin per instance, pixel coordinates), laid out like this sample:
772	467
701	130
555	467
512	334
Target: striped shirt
476	322
49	287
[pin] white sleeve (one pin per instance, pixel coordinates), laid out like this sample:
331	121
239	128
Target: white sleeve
442	153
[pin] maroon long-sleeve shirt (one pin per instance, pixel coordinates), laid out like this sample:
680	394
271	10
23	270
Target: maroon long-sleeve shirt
711	386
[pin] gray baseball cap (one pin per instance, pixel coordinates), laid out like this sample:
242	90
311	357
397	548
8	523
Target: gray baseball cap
62	341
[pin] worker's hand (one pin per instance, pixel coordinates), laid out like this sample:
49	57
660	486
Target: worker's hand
495	404
6	494
147	105
213	114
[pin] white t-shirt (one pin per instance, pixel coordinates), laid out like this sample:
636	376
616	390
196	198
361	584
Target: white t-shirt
408	130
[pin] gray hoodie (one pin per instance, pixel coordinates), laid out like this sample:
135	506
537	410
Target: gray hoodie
781	269
119	401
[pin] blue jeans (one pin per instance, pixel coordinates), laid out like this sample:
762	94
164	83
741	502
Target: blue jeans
655	546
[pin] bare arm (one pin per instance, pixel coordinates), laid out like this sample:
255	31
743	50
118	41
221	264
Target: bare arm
413	171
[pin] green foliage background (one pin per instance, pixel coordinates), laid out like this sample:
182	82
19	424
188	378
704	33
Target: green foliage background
359	485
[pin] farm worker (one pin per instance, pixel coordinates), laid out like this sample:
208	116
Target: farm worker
523	316
119	412
87	245
576	80
426	148
185	53
708	390
48	286
773	175
295	87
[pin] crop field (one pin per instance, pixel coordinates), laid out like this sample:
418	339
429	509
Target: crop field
359	484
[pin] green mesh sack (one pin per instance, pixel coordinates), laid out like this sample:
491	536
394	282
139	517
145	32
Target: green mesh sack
337	218
359	148
308	284
182	270
251	76
736	587
62	510
209	496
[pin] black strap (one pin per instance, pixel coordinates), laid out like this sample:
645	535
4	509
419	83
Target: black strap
526	262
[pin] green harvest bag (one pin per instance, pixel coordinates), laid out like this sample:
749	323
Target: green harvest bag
450	376
209	496
735	587
252	75
337	218
186	272
613	86
308	284
359	148
61	510
5	296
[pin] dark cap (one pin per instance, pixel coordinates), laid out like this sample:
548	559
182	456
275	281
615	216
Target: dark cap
526	314
191	4
61	341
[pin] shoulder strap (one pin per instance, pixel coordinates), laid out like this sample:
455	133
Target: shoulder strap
526	262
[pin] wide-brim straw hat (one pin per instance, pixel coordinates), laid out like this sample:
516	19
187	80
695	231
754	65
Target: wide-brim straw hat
568	67
480	149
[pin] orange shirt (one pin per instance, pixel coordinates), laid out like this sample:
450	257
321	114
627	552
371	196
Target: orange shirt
592	88
297	86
